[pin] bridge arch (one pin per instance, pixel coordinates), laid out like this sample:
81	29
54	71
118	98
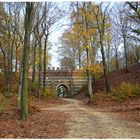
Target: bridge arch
63	84
65	89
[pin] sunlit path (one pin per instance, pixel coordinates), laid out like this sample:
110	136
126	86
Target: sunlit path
85	122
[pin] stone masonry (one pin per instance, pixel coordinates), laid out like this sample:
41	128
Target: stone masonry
57	77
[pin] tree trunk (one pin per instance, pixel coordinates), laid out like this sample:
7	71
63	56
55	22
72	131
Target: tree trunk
116	58
79	57
89	77
19	90
108	55
9	73
45	49
16	67
26	51
125	53
105	69
34	66
4	63
40	70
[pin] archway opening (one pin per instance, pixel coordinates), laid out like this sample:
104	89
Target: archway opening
62	90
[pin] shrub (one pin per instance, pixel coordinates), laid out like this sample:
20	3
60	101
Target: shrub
33	87
49	93
126	90
3	104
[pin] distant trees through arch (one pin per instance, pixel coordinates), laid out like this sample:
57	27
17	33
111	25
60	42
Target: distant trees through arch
62	90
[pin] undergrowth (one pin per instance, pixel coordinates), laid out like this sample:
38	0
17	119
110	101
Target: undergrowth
49	93
124	91
3	104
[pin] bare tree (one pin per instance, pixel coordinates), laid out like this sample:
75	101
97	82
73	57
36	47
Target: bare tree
102	17
28	28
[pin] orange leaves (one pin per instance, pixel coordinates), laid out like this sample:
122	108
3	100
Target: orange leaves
83	16
126	90
80	73
96	70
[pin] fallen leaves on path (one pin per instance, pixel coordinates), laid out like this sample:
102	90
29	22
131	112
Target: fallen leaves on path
40	124
127	109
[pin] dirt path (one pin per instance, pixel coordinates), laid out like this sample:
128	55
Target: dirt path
86	122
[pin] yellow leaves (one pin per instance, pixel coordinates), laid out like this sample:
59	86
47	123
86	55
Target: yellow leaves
84	26
88	35
76	27
84	34
92	31
96	70
80	73
3	104
108	25
126	90
89	48
89	16
109	37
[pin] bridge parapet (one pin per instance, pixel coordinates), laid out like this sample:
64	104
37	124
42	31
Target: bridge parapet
57	69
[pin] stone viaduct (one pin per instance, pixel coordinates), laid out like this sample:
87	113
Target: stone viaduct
67	78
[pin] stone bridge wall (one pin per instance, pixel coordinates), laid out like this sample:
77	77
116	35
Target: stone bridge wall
57	77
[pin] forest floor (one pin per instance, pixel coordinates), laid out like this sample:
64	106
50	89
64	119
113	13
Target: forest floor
40	124
129	109
65	118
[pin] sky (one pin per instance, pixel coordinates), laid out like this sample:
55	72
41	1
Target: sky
54	39
59	28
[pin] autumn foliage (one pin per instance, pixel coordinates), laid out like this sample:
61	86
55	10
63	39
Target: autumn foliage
96	71
126	90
